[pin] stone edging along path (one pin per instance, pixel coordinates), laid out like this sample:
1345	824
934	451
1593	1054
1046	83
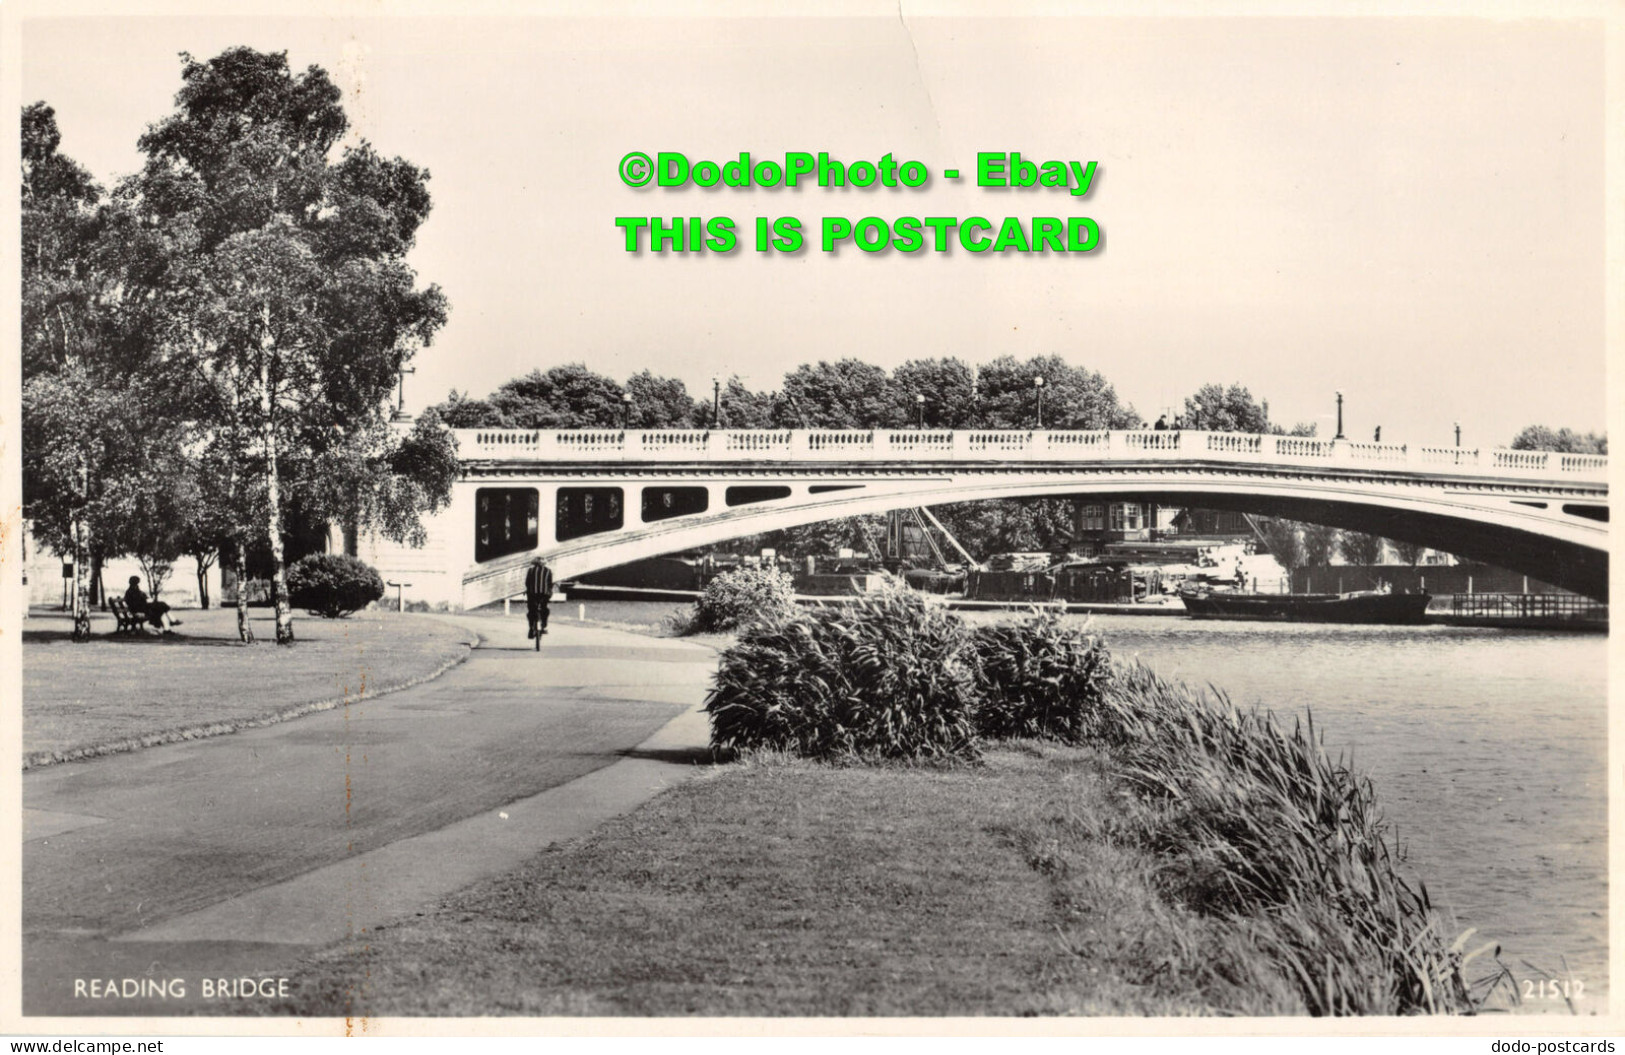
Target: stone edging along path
37	759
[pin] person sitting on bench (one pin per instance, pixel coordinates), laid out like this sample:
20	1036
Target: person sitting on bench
156	612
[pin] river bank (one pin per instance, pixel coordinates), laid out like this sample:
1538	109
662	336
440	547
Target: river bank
788	888
1488	746
773	887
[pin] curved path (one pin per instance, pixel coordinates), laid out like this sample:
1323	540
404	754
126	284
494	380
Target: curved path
235	856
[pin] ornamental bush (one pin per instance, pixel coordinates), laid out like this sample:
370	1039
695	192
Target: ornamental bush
333	585
742	597
887	676
1039	677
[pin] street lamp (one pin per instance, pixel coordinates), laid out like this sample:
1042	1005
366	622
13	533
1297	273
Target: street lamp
919	405
1038	385
626	412
1458	434
1339	417
716	402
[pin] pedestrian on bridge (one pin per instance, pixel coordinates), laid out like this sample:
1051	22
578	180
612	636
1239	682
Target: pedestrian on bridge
538	592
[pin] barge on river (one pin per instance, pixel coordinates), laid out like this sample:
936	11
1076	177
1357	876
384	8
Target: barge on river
1370	607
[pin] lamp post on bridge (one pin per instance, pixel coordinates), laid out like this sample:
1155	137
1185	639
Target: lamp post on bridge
716	402
919	406
626	410
400	399
1458	433
1339	417
1038	385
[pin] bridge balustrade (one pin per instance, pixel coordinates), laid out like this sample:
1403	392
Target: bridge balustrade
1299	447
939	442
1395	453
1521	459
1235	442
771	442
673	441
1083	443
1153	441
1583	463
904	445
1448	455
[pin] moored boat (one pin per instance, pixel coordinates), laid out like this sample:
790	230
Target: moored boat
1368	607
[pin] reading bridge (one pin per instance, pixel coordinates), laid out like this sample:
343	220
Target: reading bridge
592	499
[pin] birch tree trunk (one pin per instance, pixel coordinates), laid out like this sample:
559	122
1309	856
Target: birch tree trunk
273	495
244	634
81	591
81	558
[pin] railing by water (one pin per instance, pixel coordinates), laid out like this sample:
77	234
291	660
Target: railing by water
1530	609
985	445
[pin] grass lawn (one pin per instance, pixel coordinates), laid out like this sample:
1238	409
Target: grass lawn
775	887
115	693
650	618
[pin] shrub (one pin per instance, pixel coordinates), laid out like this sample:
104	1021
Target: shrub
887	676
740	598
1039	677
1260	826
333	585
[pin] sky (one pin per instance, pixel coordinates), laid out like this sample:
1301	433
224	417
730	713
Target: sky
1408	210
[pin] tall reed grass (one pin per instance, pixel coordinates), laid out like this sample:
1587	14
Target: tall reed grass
1261	826
888	677
1254	824
1039	677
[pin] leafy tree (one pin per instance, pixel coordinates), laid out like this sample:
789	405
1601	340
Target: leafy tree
70	400
1541	438
1214	408
1360	548
742	408
1320	544
1409	552
949	388
564	397
846	394
286	280
422	468
60	226
1074	398
461	412
1026	525
1285	542
662	403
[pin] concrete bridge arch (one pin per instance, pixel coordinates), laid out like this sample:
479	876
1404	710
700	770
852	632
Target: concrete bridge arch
1540	514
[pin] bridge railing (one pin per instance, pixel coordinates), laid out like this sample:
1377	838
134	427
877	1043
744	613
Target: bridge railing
1006	445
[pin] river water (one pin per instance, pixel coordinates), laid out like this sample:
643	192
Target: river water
1488	749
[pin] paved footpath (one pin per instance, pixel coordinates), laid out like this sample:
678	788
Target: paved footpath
235	856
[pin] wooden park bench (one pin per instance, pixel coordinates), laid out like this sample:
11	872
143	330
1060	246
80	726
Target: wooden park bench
128	622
